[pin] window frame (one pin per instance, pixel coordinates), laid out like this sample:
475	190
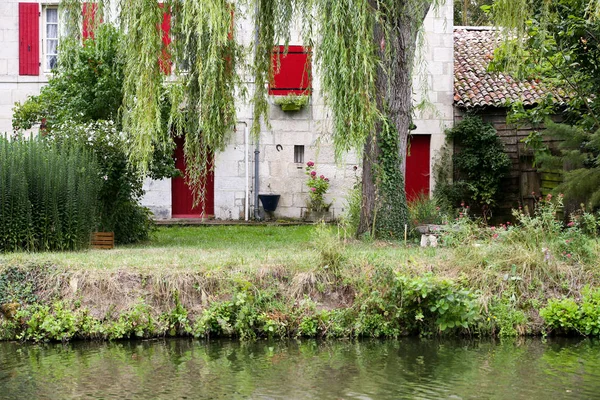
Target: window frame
45	39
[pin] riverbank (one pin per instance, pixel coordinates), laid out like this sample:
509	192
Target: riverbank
296	281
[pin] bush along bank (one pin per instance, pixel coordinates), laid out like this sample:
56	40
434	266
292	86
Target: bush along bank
43	304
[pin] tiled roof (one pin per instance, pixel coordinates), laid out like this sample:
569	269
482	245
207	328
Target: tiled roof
474	86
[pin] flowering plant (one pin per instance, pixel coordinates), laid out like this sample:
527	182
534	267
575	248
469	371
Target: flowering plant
318	186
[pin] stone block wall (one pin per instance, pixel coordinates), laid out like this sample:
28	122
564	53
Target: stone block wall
309	127
14	87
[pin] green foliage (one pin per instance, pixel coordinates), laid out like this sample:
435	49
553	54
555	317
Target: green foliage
351	218
330	249
86	86
569	316
48	196
558	43
424	210
318	186
505	318
18	285
291	102
121	188
392	214
81	105
577	157
422	305
481	162
472	12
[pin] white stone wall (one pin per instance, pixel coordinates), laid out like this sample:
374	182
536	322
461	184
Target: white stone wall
309	127
13	87
434	71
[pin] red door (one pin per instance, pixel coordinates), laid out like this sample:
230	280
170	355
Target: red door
182	199
417	166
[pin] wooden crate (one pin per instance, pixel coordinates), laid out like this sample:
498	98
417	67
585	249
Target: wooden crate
103	240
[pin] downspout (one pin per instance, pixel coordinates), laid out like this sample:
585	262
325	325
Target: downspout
247	171
257	148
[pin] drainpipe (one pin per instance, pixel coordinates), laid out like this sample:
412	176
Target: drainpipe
257	148
247	171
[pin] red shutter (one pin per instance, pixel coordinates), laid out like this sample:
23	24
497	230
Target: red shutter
29	39
165	59
89	20
293	76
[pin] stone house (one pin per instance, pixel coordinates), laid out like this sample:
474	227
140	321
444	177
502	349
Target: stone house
29	44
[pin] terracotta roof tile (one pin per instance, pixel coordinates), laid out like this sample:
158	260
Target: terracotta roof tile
474	86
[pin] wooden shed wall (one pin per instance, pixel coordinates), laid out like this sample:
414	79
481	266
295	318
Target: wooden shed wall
524	179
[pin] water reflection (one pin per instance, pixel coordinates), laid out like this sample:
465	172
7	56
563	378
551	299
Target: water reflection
407	368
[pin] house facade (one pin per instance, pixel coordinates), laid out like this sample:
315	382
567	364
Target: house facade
273	164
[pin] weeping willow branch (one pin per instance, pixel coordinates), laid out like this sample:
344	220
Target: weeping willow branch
364	53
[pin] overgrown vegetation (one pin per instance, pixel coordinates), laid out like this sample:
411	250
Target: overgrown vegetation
80	105
48	195
505	280
480	164
558	43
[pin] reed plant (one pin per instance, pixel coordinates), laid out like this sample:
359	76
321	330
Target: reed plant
48	195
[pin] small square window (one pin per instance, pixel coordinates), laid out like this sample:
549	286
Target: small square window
299	154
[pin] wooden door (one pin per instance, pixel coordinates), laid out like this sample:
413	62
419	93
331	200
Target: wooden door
418	166
182	199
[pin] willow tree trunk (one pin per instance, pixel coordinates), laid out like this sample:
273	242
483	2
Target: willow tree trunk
394	97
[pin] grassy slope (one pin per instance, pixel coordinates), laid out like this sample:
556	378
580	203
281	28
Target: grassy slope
207	264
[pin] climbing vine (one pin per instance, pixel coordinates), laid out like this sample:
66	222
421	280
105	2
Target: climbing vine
392	213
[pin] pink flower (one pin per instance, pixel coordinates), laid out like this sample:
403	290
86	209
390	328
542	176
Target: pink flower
313	173
507	222
495	236
322	177
326	179
462	204
571	224
568	255
493	228
549	197
310	163
313	189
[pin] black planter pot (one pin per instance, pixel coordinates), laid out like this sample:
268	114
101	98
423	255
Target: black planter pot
269	201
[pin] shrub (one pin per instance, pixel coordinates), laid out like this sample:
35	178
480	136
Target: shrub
480	163
424	210
567	316
318	186
121	187
48	195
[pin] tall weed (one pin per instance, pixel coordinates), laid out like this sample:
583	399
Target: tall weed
48	196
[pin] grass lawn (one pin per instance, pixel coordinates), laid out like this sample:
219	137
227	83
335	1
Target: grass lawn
210	247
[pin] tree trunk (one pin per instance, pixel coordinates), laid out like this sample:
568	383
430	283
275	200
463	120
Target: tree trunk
394	97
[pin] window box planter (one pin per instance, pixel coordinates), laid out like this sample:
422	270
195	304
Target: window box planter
292	102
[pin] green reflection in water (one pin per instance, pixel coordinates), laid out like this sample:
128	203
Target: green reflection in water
407	368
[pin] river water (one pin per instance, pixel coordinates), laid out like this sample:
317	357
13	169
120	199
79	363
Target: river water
222	369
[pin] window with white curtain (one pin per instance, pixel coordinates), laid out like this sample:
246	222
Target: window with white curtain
50	37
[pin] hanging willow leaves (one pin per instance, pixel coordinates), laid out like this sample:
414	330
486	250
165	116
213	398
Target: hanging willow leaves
363	51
